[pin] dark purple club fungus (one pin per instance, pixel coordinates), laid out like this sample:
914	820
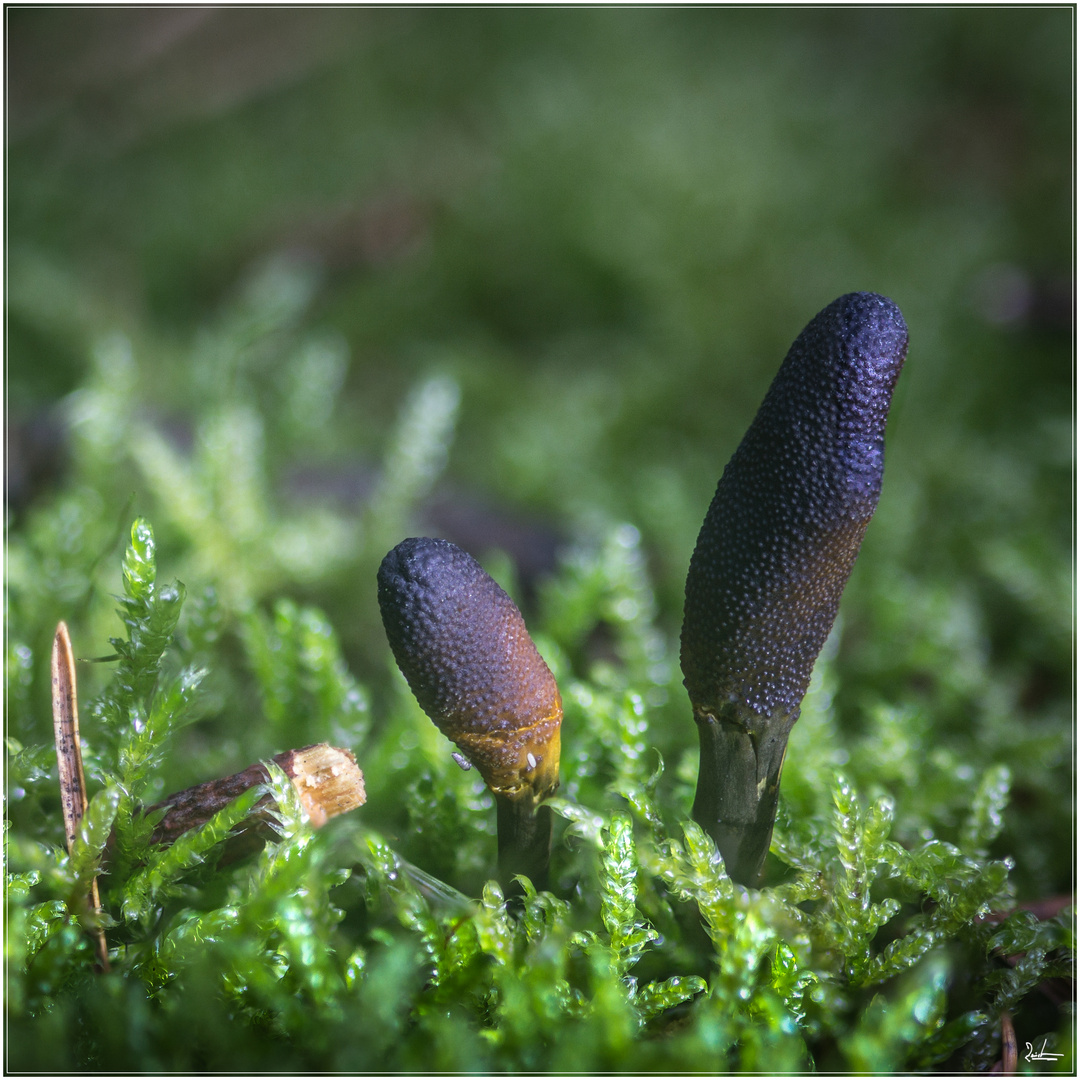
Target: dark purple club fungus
773	556
462	645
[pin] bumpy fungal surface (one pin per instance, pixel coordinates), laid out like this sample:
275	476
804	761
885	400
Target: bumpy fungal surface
779	541
463	648
790	511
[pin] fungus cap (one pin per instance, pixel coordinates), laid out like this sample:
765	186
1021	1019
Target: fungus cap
790	510
463	648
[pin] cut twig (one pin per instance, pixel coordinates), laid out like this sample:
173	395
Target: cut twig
73	799
326	778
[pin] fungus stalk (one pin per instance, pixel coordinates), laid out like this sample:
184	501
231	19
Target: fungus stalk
462	646
773	556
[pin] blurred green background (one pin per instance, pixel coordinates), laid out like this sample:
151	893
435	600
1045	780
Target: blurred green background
570	247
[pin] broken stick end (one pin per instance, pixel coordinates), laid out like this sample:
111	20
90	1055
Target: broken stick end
327	779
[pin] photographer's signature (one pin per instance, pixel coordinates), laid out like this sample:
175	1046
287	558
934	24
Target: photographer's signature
1040	1055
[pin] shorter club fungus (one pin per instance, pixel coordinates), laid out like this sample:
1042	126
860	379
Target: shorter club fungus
773	556
462	645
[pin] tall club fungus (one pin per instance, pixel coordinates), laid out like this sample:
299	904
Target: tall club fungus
773	556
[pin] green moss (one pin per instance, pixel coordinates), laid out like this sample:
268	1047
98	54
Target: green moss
854	953
601	231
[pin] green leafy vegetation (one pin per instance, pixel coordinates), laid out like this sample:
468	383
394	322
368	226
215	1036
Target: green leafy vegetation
520	278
